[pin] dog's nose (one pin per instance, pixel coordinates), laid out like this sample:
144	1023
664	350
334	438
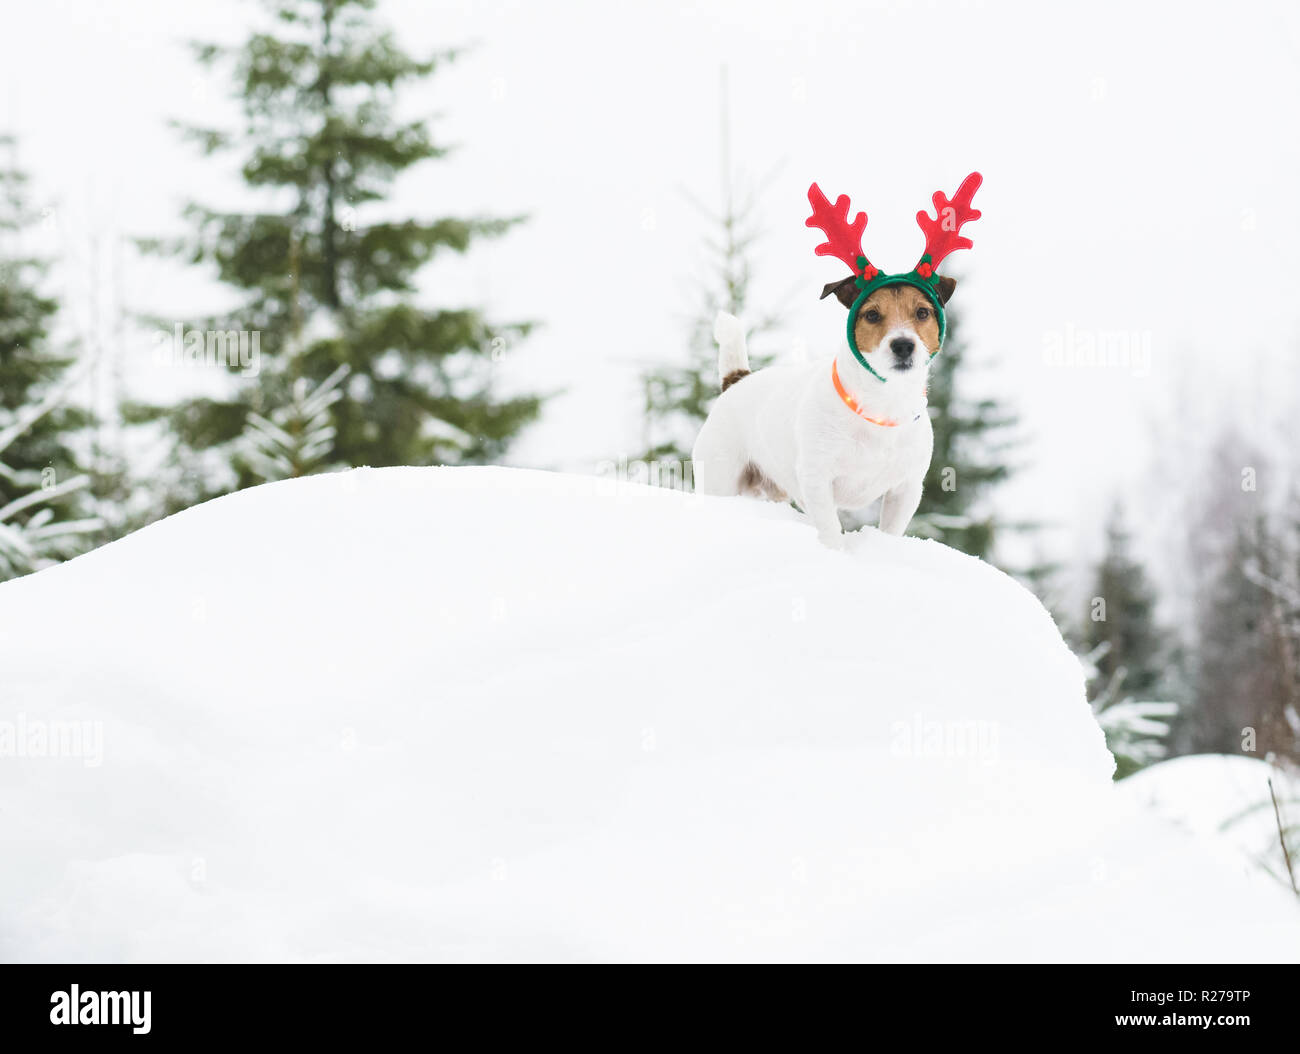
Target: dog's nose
902	347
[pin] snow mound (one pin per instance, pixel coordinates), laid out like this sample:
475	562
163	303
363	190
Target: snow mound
486	714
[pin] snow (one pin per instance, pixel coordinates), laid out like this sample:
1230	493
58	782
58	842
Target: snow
1224	800
489	714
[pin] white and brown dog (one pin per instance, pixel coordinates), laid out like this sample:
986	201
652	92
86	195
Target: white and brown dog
840	434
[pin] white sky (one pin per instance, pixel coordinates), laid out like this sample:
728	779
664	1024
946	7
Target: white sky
1140	161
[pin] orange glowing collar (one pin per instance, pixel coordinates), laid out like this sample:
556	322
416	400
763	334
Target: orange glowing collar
852	403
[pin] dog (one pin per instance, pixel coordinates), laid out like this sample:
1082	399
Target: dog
839	435
784	433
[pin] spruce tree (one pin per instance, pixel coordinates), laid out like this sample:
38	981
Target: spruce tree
678	396
1246	688
296	439
973	438
1243	553
1136	730
1273	567
1127	655
327	280
43	510
1122	615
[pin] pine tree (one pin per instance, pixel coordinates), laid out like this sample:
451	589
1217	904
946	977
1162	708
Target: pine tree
1127	656
1122	615
1273	567
678	396
1136	730
319	96
297	438
1236	671
1246	683
973	438
43	515
1242	669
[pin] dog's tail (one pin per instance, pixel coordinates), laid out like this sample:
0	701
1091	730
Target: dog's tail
733	359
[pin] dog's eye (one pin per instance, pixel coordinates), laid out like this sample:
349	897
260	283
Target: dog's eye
922	313
871	315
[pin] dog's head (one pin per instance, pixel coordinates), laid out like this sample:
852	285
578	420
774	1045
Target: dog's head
896	327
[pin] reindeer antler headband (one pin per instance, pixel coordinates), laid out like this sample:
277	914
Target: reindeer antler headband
942	236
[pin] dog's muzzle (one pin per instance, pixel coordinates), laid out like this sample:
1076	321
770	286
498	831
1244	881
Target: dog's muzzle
903	348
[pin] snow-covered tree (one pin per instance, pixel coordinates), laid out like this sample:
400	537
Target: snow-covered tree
679	395
298	437
1127	657
35	528
1243	550
1122	615
1137	730
1274	569
973	440
43	517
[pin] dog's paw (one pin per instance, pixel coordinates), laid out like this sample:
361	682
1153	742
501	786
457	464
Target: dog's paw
832	540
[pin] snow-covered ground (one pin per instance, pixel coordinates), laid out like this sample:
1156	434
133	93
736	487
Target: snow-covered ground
1226	801
467	714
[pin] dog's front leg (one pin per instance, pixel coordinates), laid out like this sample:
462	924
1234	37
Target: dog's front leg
899	506
818	493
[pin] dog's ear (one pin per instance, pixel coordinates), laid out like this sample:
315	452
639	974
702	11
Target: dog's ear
946	286
846	291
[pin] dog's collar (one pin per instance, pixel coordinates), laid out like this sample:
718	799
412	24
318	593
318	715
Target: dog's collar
852	403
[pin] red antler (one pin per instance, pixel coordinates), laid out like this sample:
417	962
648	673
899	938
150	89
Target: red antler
843	239
942	232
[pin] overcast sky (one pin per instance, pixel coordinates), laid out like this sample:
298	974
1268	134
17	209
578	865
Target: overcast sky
1140	165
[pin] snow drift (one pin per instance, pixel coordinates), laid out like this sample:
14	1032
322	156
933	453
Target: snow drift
1225	801
469	714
